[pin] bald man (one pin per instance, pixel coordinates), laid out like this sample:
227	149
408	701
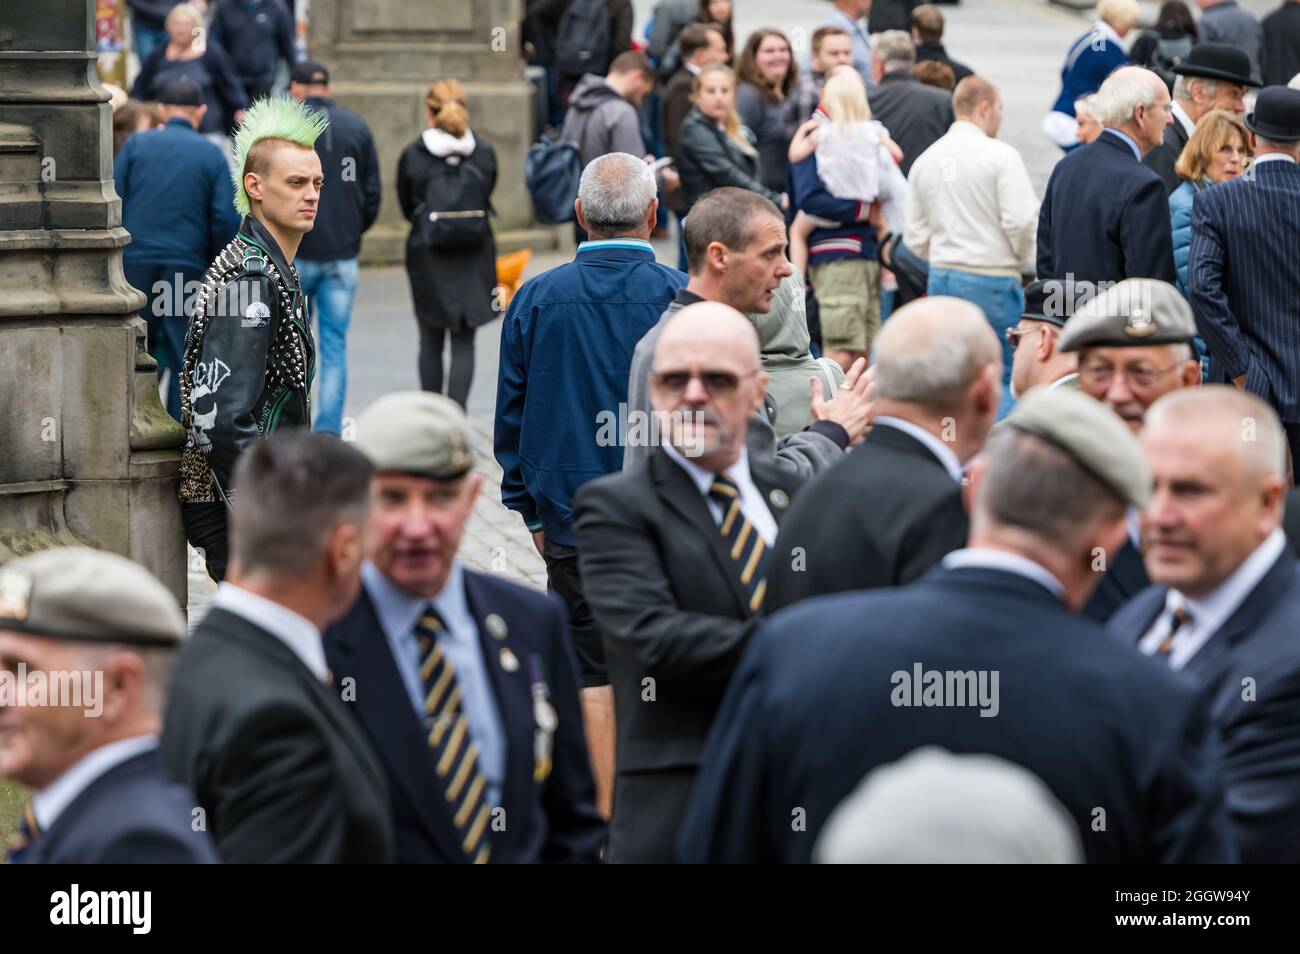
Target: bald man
673	554
893	508
1226	596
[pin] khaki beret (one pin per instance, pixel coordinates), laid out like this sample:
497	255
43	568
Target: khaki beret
416	432
88	595
1135	313
1091	433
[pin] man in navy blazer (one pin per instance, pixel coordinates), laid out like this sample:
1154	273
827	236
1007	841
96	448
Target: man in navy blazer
1105	216
985	655
465	684
1244	291
1226	602
103	629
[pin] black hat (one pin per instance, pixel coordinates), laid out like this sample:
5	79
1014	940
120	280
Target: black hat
1276	115
309	72
1221	61
1052	301
181	91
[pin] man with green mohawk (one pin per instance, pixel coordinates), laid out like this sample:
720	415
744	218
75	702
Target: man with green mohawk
249	354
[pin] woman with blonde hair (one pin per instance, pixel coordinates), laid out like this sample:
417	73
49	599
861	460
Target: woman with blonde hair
1218	150
444	185
714	148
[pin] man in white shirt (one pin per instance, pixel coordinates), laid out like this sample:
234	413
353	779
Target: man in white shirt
86	645
973	214
1226	599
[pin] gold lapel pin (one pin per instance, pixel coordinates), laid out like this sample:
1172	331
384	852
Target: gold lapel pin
496	626
779	498
509	661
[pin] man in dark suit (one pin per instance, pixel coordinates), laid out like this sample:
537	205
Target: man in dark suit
89	747
1134	346
1279	54
915	114
1105	216
892	508
985	655
1227	598
927	31
701	44
255	724
1245	295
1213	76
674	552
465	684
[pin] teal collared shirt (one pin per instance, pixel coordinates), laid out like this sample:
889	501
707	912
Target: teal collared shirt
398	613
593	245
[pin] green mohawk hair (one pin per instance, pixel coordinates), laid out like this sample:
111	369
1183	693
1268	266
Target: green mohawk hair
273	118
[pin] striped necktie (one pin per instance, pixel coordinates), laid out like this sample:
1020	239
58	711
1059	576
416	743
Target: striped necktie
744	544
1180	619
27	835
455	756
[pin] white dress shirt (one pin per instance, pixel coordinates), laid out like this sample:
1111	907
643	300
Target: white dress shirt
1007	562
1209	613
295	631
946	455
752	504
1188	124
1274	157
50	802
971	204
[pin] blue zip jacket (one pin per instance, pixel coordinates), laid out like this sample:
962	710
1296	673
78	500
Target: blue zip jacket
566	353
1092	58
1180	220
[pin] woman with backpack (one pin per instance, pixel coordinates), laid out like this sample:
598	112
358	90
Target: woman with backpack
444	184
1167	44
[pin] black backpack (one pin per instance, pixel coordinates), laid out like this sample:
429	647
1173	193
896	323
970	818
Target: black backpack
582	38
454	214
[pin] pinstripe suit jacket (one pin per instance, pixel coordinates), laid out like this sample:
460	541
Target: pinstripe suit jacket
1243	281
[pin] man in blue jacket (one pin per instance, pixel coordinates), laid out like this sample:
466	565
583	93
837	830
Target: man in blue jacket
566	352
175	191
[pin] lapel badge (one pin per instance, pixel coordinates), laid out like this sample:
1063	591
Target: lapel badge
1139	323
509	661
496	626
15	593
779	499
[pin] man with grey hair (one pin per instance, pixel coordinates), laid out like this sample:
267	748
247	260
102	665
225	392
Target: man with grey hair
566	351
1227	596
985	655
916	115
1212	76
892	508
1105	216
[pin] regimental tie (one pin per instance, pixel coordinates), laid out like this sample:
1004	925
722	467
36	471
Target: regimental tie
744	543
454	752
27	834
1181	618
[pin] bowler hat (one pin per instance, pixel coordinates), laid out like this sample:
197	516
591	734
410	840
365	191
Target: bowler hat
1221	61
1276	115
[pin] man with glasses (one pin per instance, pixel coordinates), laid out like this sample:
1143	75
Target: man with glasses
673	554
1037	359
1134	346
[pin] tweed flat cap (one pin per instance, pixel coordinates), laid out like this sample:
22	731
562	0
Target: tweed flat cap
1135	313
1092	434
88	595
416	432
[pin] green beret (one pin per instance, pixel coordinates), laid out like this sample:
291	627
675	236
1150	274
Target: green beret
416	432
1135	313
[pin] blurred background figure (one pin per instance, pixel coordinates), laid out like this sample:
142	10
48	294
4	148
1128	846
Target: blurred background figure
258	35
148	30
589	36
936	74
1227	21
927	32
1167	43
765	76
1085	115
1279	53
934	807
702	45
1092	58
451	261
848	16
132	117
831	47
915	115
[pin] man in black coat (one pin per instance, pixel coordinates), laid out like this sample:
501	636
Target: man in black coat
915	114
674	557
257	34
1105	216
489	762
892	508
89	748
985	655
1279	53
927	31
1213	76
256	725
1227	597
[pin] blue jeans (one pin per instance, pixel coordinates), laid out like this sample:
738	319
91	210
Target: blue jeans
169	290
330	287
146	40
1001	299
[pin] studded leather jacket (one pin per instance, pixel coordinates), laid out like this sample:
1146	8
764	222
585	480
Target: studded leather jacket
249	360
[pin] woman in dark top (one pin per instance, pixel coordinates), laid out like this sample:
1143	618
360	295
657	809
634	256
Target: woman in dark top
203	61
719	12
766	75
1168	43
453	279
713	148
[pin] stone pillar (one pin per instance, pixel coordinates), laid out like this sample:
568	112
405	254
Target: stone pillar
88	455
382	56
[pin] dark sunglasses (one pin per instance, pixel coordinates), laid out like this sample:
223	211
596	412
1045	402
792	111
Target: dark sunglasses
717	383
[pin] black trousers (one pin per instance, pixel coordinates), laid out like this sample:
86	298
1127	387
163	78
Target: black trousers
205	528
564	579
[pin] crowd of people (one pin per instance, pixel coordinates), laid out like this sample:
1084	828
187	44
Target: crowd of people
908	502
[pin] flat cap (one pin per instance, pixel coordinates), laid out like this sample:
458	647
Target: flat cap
416	432
309	72
1135	313
1053	301
1091	433
88	595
